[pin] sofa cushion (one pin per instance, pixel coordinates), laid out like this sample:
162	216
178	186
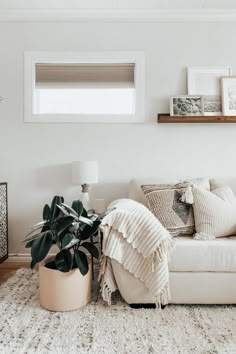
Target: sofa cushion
191	255
219	182
214	212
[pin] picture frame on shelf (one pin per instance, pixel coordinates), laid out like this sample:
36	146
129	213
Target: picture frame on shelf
206	81
186	106
228	93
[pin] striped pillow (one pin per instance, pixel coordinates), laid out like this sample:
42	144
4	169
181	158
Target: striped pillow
214	212
164	201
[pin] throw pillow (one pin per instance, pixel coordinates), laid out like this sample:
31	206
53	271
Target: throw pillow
216	183
214	212
170	204
201	182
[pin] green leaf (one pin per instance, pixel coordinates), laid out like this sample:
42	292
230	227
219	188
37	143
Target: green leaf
33	264
91	248
69	210
29	244
73	242
54	209
51	265
81	262
87	231
39	225
63	224
41	247
77	205
63	210
46	227
64	261
67	239
34	229
85	220
84	213
46	212
74	227
34	237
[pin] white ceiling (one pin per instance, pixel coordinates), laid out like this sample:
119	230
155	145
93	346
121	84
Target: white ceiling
117	10
118	4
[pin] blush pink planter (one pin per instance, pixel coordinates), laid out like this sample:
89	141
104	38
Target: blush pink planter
64	291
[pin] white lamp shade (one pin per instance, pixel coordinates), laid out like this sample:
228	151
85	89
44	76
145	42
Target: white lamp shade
84	172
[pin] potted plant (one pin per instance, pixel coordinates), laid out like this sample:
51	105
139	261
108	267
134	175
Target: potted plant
65	280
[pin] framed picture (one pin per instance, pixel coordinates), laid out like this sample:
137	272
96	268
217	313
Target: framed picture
186	106
205	81
228	89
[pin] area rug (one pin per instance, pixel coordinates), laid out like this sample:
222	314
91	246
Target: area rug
26	328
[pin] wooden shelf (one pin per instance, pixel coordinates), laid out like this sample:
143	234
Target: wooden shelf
166	118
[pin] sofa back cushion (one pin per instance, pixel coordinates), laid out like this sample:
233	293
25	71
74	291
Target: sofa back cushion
220	182
136	193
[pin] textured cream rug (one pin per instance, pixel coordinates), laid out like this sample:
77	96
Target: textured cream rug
27	328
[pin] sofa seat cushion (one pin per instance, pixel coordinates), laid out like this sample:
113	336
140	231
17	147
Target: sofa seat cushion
218	255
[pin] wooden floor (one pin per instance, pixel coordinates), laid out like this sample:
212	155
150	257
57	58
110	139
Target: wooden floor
7	269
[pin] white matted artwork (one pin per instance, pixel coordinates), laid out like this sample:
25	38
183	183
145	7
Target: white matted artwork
228	87
205	81
186	106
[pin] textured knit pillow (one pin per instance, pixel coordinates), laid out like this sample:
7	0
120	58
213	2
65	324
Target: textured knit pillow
214	212
171	204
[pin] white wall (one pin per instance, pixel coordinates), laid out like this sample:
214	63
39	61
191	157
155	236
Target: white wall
117	4
35	158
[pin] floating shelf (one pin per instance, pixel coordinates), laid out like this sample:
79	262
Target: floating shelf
166	118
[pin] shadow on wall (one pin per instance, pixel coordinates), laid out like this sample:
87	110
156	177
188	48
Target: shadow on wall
49	181
160	103
57	179
109	191
54	178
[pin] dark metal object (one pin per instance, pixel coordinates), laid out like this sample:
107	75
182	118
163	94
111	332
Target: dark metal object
3	222
145	306
92	261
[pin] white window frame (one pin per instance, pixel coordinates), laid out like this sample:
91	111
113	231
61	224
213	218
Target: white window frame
135	57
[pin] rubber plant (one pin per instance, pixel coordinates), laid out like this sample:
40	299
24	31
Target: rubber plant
70	229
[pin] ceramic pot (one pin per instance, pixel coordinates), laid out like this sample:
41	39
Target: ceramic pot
64	291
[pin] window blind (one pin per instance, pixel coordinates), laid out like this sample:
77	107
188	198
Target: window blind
85	75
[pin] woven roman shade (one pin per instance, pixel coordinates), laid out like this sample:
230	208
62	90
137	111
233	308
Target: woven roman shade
85	75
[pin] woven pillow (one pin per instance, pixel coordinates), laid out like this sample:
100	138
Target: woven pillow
166	202
214	212
216	183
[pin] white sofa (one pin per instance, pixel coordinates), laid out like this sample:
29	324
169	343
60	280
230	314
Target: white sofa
201	272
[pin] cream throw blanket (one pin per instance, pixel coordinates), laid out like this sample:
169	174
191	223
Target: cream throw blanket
134	237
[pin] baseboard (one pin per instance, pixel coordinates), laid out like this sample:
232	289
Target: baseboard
20	257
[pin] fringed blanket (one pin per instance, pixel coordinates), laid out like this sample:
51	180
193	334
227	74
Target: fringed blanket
136	239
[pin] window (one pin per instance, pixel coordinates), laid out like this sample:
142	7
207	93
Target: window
84	89
97	87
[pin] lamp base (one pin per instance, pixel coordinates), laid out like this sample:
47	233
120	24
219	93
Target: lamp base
86	200
85	187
